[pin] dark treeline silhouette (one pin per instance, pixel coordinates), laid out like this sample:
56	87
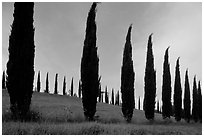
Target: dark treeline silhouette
20	66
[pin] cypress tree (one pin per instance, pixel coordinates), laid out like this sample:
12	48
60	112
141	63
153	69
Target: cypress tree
3	81
79	89
127	79
99	93
20	66
38	82
72	87
195	101
90	66
177	94
199	103
157	106
150	83
64	86
117	98
166	88
106	95
187	100
112	100
47	84
55	89
139	103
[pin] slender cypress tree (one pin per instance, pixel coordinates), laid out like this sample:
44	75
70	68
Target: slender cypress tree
90	66
72	87
157	106
106	95
139	103
99	93
20	66
38	82
47	84
199	102
127	79
195	101
166	88
3	81
112	100
187	100
150	83
64	86
79	89
55	89
117	98
177	94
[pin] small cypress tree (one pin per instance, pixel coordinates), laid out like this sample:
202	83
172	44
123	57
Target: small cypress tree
99	93
117	98
3	81
195	101
112	100
106	95
72	87
55	89
139	103
166	88
199	102
187	100
47	84
38	82
64	86
177	94
150	83
157	106
90	67
79	89
20	66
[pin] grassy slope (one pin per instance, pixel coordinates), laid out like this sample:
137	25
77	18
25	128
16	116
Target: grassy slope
64	115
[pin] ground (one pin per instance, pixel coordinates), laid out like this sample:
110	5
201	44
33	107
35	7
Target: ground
59	114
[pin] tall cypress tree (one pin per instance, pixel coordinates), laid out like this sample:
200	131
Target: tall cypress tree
112	100
79	89
177	94
38	82
187	100
20	66
139	103
3	81
199	102
55	89
47	84
150	83
117	98
195	101
106	95
64	86
72	87
90	66
157	106
166	88
127	79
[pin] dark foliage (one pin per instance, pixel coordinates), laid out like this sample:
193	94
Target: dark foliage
64	86
195	101
3	81
139	103
56	82
20	67
112	97
117	98
199	102
187	100
157	107
90	66
79	89
38	82
106	95
127	79
72	87
47	84
166	88
177	93
150	83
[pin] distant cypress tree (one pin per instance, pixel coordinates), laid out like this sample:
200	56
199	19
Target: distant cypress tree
139	103
157	106
55	89
166	88
99	93
90	66
79	89
3	81
150	83
195	101
72	88
38	82
106	95
127	79
64	86
47	84
199	103
20	66
112	100
187	100
117	98
177	94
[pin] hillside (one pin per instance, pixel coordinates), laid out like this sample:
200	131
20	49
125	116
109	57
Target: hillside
64	115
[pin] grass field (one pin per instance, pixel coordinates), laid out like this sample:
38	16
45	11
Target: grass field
64	115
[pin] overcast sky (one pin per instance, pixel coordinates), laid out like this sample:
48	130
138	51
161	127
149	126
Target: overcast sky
60	33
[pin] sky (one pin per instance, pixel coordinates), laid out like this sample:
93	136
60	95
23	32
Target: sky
60	33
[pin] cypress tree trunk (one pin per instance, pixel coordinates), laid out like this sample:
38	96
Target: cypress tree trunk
64	86
195	101
20	67
79	89
187	100
150	83
177	94
47	84
127	79
112	100
106	95
166	88
72	88
38	82
199	103
3	81
55	89
90	66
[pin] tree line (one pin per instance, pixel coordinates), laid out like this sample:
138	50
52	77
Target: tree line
20	75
